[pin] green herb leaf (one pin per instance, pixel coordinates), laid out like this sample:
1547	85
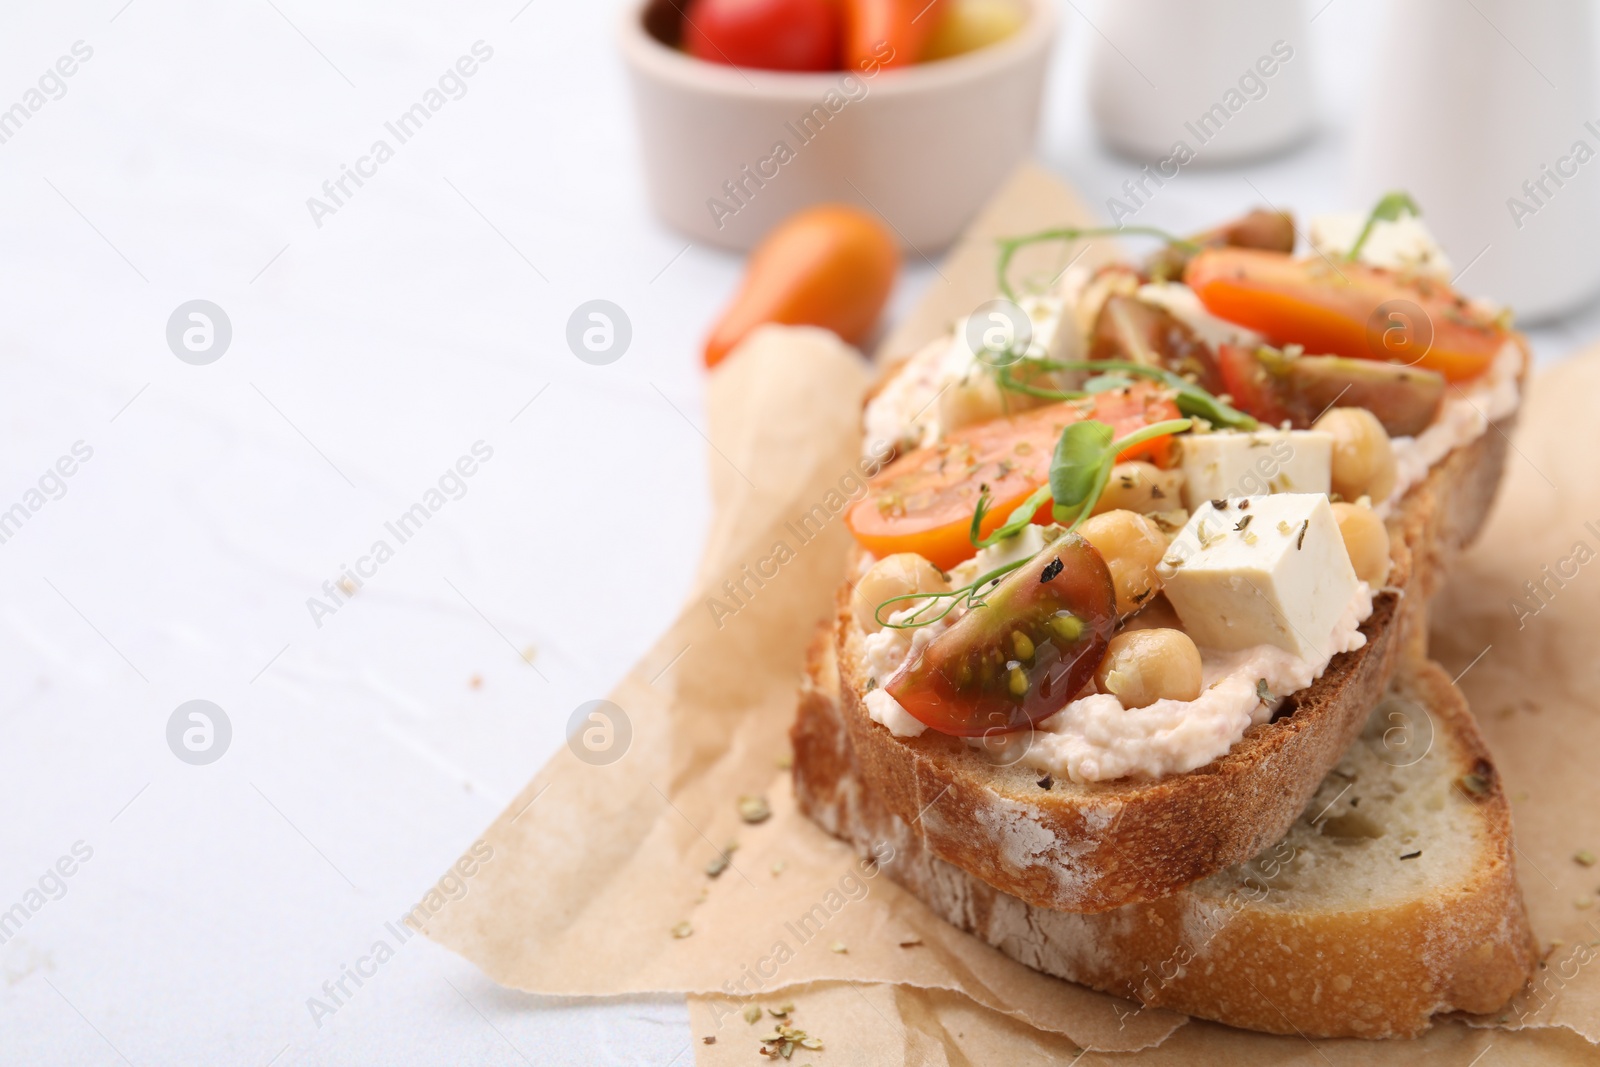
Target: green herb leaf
1080	455
1083	460
1015	523
1009	246
1389	208
1191	399
1104	383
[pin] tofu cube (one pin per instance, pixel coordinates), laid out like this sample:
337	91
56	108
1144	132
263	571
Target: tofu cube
1264	570
1220	465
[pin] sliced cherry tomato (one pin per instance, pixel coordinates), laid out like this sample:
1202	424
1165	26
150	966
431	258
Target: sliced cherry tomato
1023	654
1346	309
1246	380
1273	387
923	501
765	34
1129	329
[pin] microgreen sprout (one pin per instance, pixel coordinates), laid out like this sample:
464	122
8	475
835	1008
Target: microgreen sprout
1010	246
1079	471
1191	399
1389	208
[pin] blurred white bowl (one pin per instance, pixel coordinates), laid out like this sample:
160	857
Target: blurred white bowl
923	146
1230	79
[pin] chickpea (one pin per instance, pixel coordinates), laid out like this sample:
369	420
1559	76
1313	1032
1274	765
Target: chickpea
1367	541
1142	487
1132	546
1363	459
892	576
1143	666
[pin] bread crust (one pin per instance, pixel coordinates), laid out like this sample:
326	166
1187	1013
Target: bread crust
1097	846
1378	971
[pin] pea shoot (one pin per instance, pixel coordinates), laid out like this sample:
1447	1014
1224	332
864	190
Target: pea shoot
1079	471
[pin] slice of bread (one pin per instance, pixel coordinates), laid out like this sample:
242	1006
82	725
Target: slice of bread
1097	846
1391	898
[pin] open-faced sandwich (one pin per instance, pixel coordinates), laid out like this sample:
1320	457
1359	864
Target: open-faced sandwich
1150	544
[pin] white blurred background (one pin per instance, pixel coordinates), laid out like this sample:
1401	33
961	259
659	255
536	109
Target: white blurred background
427	314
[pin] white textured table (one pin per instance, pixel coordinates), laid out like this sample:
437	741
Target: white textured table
375	342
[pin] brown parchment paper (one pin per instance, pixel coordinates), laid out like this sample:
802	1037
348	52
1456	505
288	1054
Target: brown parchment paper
600	858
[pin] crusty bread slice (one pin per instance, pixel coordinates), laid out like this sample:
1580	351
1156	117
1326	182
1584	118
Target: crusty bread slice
1096	846
1391	898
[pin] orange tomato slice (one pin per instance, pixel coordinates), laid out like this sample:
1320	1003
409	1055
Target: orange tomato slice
1346	309
923	501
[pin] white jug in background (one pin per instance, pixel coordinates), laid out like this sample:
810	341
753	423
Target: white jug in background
1230	79
1486	114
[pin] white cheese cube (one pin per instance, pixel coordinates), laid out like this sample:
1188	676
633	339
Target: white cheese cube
1265	570
1404	244
1226	464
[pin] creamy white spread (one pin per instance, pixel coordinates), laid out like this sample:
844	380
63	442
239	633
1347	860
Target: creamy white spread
1464	416
886	710
906	412
1095	739
885	652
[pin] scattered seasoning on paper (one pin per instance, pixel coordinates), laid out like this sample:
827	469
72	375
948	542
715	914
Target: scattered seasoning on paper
754	809
1584	857
717	865
752	1013
682	930
778	867
1412	855
783	1039
709	1039
909	942
838	946
529	654
476	681
785	761
782	1010
1583	903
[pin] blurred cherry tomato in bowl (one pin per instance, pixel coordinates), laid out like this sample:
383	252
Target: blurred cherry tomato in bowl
765	34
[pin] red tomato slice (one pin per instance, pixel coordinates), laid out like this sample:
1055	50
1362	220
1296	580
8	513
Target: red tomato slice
1247	382
1346	309
1020	656
923	501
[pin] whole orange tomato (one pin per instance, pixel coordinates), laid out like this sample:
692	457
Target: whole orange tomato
830	266
888	33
